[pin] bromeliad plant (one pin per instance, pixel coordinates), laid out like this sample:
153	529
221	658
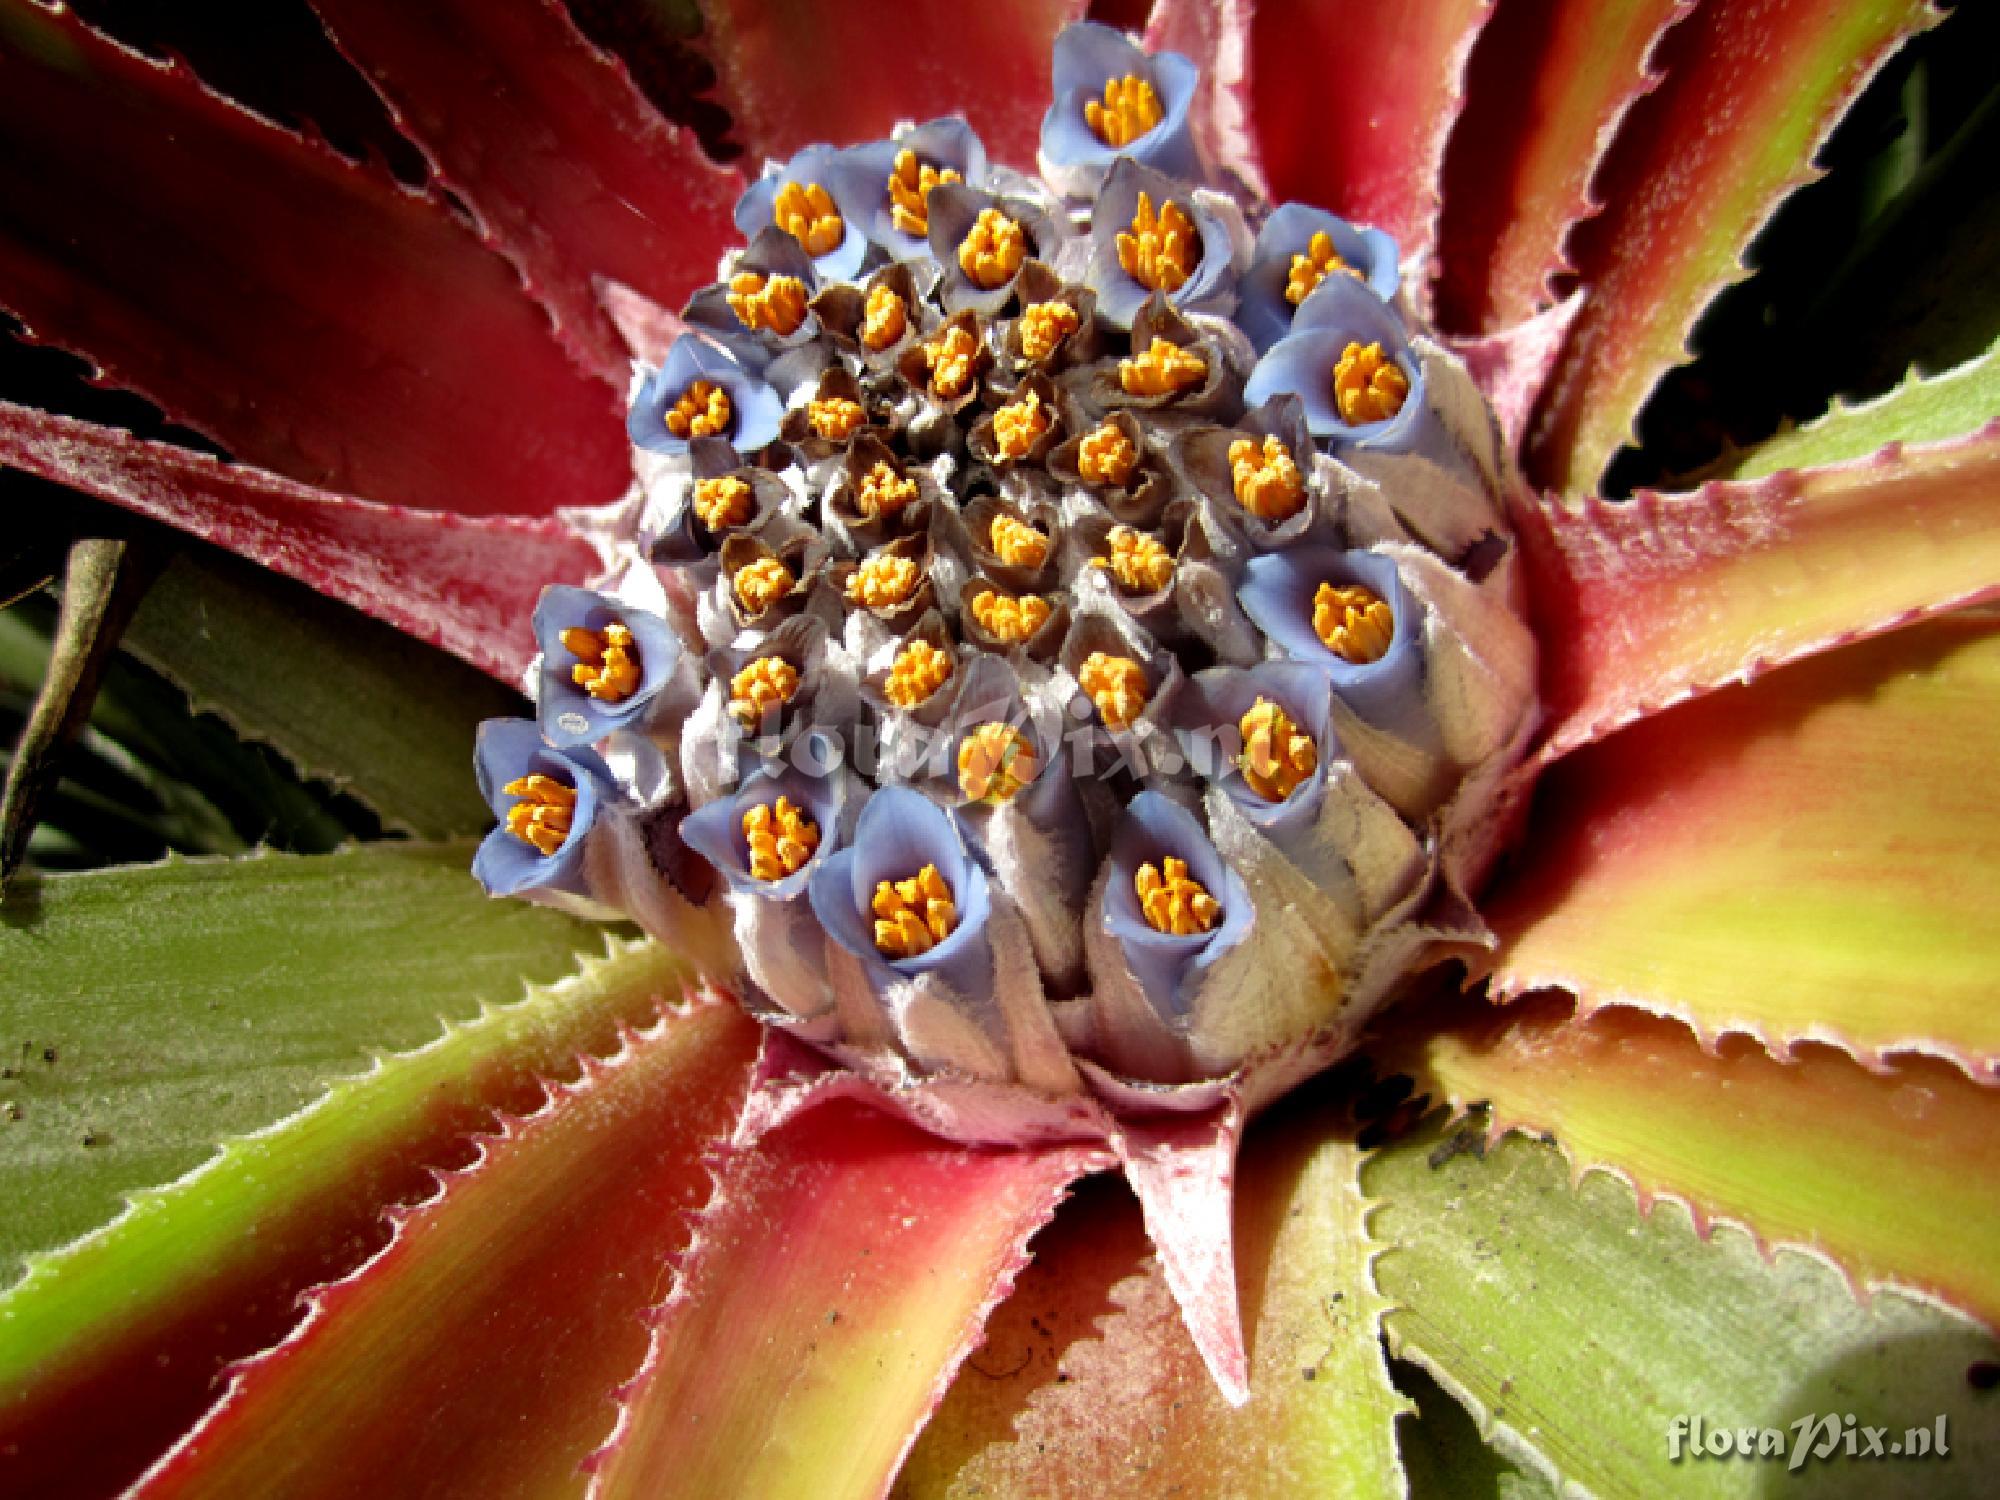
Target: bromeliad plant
1062	658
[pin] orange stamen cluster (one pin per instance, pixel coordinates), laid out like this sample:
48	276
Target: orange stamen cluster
1019	425
1268	484
1159	251
1016	543
883	581
884	317
761	583
1355	623
778	304
1277	755
834	418
607	661
780	837
1141	563
1107	456
763	684
805	211
951	358
723	502
1368	386
883	492
1175	902
702	411
1130	109
994	762
1116	684
913	916
1313	266
1161	369
992	251
1043	326
910	184
543	814
919	670
1009	618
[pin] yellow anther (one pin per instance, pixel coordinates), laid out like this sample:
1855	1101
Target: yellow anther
765	683
1016	543
910	184
1319	260
805	211
723	502
992	251
883	581
1107	456
1019	425
542	816
778	304
1160	251
913	916
1116	684
883	492
781	839
761	583
1277	754
1129	110
1368	386
1138	561
1175	902
919	670
607	661
1356	623
1162	369
702	411
884	316
1268	484
950	358
994	762
1044	325
834	418
1007	617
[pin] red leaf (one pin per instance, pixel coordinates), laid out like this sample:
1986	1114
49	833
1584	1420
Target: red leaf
478	1352
1548	85
793	72
567	169
1354	101
465	583
307	313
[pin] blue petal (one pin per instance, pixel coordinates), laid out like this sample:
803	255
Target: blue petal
818	164
864	174
570	716
505	750
1265	315
1088	55
715	831
755	408
1119	295
1300	365
1277	594
1219	698
1169	968
1341	311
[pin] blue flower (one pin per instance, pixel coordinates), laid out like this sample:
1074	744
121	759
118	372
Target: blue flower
863	176
507	753
715	832
568	713
815	166
1265	314
1088	56
755	409
1170	966
1211	282
899	832
1341	311
772	253
1206	720
1278	591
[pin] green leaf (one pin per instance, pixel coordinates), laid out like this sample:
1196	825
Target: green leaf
1917	411
1581	1331
151	1012
1443	1455
344	697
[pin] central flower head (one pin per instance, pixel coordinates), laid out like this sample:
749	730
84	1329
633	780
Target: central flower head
1088	583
